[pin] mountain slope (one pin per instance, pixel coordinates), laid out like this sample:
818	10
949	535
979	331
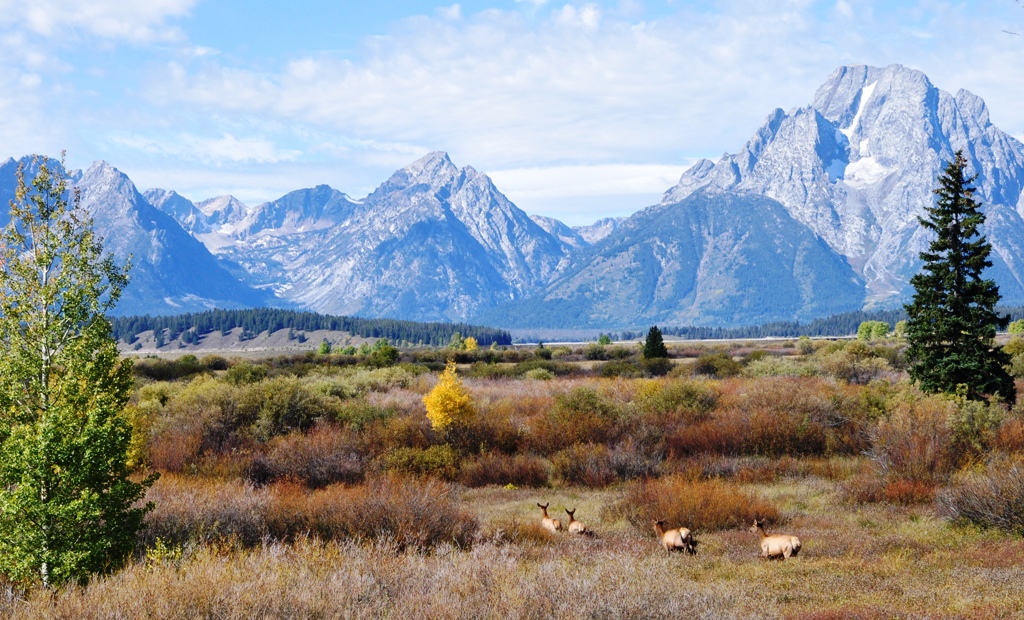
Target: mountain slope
171	271
858	167
433	242
713	258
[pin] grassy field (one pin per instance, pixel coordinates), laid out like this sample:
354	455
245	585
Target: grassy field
298	488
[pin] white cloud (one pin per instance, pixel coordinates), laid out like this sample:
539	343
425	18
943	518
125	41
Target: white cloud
453	12
526	184
129	20
226	149
843	8
588	16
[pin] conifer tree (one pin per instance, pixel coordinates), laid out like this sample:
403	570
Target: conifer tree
952	320
67	504
654	345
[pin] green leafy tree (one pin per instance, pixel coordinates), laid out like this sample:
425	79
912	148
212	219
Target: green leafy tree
952	320
1016	328
654	345
383	354
604	340
872	330
68	508
324	348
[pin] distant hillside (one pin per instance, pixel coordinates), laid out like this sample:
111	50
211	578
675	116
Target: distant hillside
194	327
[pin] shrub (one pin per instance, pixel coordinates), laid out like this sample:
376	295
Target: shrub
775	366
974	424
699	505
909	492
448	404
622	368
692	400
494	468
246	372
325	456
384	436
716	365
584	465
595	351
914	443
854	363
214	362
657	366
1010	435
439	461
359	414
168	370
580	416
539	374
417	514
993	497
804	346
289	405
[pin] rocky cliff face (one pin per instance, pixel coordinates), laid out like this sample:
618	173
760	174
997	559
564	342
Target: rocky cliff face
714	258
432	242
859	164
171	272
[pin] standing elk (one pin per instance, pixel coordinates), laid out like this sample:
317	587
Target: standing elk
577	527
776	546
678	539
552	524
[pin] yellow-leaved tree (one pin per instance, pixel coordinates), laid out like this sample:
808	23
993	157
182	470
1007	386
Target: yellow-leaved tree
470	344
449	404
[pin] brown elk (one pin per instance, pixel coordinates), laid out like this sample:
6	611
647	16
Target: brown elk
776	546
678	539
577	527
552	524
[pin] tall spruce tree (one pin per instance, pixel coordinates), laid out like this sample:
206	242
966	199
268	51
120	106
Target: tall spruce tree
952	320
67	505
654	345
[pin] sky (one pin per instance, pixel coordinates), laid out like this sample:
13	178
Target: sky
577	110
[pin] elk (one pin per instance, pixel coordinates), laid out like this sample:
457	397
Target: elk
776	546
552	524
678	539
577	527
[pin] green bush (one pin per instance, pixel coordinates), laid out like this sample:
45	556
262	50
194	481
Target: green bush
717	365
539	374
246	372
289	405
622	368
439	461
595	351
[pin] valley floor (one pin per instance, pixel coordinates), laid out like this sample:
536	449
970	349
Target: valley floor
869	561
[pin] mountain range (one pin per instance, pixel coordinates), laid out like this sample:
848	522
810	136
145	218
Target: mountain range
816	214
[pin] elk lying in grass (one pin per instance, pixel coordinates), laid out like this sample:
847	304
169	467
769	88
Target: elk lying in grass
776	546
678	539
577	527
552	524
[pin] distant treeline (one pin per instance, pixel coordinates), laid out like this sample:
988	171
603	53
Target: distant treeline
258	320
844	324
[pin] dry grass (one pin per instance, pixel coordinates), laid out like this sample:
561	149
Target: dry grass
876	561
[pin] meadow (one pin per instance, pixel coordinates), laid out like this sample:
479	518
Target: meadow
315	486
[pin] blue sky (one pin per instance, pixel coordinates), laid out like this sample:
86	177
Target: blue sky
578	110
